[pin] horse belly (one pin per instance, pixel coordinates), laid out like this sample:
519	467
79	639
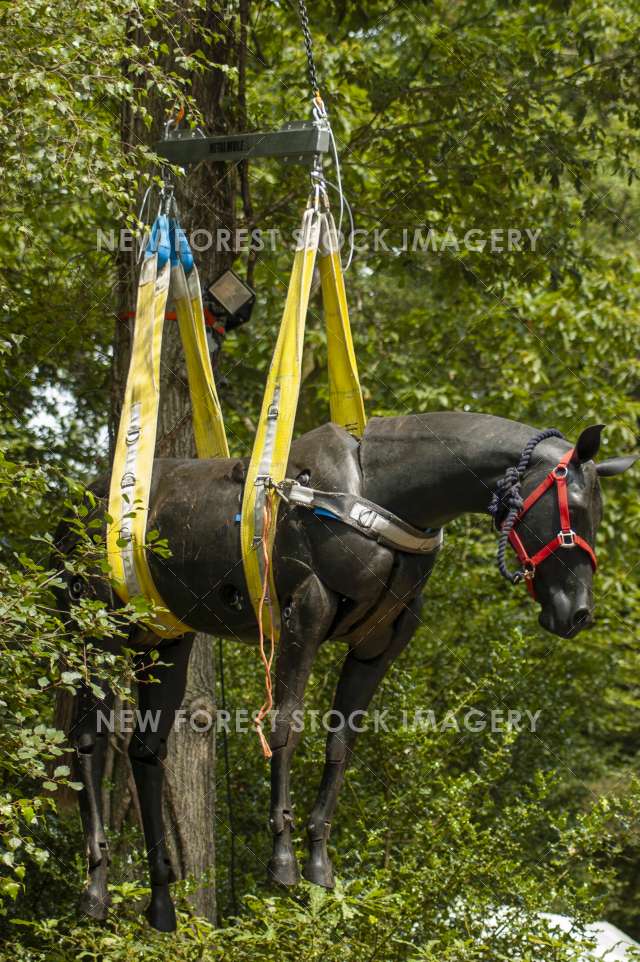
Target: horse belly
195	506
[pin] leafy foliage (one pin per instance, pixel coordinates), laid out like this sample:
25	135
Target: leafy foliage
40	657
450	117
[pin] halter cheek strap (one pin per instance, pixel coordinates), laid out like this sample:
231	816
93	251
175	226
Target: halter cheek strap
565	538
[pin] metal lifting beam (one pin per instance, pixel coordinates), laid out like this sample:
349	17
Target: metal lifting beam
299	142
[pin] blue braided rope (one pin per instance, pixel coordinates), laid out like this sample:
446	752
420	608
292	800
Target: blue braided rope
509	496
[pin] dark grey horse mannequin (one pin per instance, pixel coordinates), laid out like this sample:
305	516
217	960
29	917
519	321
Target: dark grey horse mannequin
333	583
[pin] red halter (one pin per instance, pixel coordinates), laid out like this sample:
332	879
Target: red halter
565	538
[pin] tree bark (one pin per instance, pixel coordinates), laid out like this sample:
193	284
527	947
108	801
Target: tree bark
206	201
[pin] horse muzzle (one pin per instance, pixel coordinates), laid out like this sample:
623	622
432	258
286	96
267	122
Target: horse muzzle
566	617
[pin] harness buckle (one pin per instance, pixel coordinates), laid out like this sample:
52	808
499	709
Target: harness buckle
298	494
363	516
566	539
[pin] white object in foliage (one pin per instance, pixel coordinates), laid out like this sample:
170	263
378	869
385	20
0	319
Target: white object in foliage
612	945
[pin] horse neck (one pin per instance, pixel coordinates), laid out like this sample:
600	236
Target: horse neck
431	468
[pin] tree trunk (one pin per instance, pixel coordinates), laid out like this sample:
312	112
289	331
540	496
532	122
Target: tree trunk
206	201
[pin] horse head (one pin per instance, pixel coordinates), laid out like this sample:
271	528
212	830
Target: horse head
553	513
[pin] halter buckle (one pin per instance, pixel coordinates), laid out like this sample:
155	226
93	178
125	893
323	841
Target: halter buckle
528	570
560	471
566	539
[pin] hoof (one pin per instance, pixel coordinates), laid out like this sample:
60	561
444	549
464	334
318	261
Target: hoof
283	870
318	870
161	913
95	904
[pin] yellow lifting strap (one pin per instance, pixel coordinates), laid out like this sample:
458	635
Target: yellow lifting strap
272	445
345	395
208	423
133	461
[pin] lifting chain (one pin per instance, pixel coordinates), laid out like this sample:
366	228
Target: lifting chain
313	77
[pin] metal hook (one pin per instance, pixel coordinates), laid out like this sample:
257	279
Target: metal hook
167	199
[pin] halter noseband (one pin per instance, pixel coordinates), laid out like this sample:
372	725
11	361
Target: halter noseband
508	492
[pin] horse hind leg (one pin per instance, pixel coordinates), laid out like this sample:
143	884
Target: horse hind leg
307	617
356	687
90	735
158	702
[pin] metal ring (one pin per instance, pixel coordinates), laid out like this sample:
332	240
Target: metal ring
560	471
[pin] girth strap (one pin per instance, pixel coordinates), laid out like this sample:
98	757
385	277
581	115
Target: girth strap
363	516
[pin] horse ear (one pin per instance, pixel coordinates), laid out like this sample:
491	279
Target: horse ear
608	469
588	444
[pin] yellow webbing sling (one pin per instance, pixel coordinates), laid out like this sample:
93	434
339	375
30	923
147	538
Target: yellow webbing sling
208	423
272	445
345	395
133	461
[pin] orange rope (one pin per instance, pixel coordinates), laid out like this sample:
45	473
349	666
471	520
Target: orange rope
267	662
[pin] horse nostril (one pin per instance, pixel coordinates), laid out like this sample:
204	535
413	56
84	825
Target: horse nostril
582	617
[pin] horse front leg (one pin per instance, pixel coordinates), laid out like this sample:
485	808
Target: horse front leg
309	613
158	701
356	687
90	738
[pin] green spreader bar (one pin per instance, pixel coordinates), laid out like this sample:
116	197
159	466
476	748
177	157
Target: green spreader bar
298	142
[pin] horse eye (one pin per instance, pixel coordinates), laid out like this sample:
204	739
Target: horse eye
76	587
